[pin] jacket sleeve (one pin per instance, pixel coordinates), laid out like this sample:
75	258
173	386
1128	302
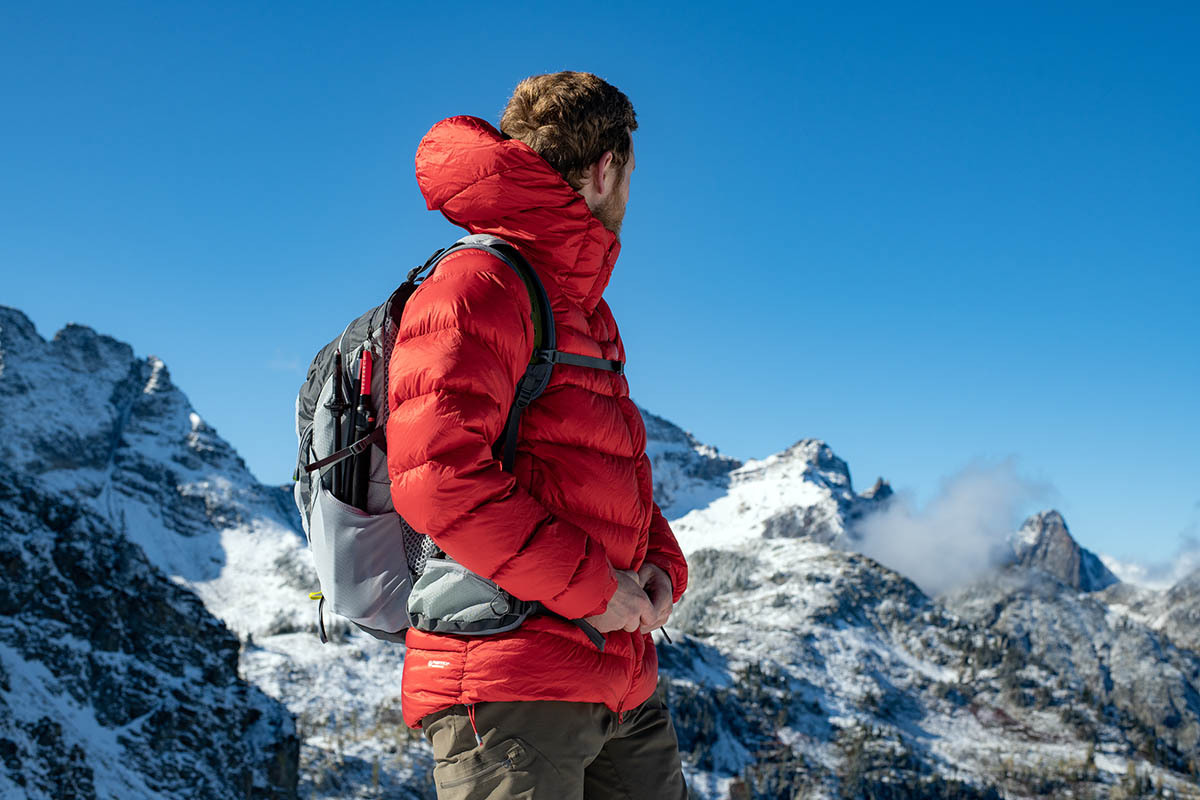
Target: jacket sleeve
663	551
462	346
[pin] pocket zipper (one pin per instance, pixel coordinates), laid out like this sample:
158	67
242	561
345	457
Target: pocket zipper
488	770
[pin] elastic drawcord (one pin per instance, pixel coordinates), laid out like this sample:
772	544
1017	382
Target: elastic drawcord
471	717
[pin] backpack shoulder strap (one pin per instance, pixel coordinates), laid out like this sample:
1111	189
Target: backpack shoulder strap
544	337
545	353
545	347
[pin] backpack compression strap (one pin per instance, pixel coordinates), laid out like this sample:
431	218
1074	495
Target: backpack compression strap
374	437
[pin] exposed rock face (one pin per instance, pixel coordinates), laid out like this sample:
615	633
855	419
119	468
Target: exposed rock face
803	522
1045	543
115	682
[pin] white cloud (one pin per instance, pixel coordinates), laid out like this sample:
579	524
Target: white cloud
960	534
1163	574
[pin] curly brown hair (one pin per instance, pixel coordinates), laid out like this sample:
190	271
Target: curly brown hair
571	119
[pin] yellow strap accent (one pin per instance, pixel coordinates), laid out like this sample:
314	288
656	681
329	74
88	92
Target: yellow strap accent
315	596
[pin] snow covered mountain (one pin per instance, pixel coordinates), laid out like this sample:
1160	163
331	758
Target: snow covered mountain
811	670
114	680
799	667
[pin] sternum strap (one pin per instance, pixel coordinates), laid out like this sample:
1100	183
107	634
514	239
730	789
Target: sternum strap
591	362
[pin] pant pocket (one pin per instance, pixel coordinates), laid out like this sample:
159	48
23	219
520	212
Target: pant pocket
481	766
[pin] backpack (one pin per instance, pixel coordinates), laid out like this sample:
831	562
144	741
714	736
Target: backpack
373	568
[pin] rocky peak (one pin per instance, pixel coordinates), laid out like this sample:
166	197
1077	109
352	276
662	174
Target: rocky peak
1045	543
819	455
81	348
84	408
879	492
808	459
17	332
803	492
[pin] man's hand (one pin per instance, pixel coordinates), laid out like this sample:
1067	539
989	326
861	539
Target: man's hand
657	586
627	608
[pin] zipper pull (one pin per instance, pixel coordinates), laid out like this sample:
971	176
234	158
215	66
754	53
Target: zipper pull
471	717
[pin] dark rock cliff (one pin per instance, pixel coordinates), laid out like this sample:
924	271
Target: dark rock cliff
113	676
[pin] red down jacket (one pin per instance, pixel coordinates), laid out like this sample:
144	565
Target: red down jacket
579	502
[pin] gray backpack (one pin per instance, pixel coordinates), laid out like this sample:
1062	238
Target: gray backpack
373	568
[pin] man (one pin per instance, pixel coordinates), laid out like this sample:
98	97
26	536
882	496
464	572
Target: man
538	712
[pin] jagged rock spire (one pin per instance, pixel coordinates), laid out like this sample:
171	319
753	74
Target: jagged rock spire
879	492
1045	543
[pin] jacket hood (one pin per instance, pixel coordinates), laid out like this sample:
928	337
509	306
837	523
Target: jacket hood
487	183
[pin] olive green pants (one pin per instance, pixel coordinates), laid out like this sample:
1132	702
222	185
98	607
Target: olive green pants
546	750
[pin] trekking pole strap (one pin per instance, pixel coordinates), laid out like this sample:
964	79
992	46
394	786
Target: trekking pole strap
374	437
596	636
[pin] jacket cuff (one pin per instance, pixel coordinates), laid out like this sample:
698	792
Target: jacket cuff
675	573
590	588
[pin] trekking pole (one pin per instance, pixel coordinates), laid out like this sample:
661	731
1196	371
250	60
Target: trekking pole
347	466
336	405
364	422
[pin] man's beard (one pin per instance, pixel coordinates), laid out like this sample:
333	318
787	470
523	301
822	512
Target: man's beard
611	213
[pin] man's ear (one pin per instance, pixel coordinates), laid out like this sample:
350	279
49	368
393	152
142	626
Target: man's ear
598	173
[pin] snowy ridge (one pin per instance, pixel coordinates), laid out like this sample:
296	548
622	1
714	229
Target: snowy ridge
803	491
1173	612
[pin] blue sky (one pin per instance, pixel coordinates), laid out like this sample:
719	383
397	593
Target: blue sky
931	235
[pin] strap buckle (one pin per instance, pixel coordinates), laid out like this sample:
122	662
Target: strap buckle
548	356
